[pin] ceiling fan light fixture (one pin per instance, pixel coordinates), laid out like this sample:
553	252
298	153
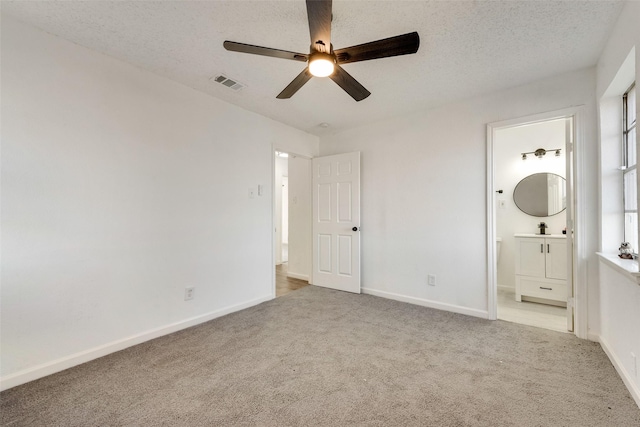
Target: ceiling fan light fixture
321	64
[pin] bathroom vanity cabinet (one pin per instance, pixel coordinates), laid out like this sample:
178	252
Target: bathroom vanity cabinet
541	266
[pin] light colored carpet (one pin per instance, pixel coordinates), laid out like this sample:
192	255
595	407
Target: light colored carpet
323	357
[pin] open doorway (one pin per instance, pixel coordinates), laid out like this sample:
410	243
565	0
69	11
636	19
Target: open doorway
292	222
532	215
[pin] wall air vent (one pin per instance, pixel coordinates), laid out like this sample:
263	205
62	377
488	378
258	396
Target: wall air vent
226	81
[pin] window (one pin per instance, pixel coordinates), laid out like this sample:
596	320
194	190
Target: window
630	179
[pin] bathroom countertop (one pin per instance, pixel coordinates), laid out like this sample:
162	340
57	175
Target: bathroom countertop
551	236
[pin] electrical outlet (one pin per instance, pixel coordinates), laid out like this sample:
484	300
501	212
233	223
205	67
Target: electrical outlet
188	293
634	365
431	280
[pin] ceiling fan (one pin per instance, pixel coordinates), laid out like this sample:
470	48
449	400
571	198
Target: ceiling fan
326	62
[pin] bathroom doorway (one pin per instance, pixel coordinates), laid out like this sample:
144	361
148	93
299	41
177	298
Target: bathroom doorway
532	187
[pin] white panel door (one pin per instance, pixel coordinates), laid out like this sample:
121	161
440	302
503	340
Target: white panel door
336	222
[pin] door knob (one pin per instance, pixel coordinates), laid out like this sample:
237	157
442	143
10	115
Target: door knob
355	228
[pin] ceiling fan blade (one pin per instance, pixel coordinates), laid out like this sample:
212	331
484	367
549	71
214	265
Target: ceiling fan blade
319	14
264	51
349	84
393	46
295	85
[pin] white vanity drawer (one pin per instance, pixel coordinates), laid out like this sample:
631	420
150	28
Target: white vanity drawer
547	289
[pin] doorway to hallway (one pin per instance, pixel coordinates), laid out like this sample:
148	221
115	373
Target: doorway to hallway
292	222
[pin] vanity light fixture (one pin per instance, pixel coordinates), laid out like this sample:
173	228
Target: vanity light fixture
541	152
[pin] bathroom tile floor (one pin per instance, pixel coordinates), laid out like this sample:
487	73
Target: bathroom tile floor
530	313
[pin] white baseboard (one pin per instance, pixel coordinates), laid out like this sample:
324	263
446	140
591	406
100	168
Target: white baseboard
626	377
70	361
507	288
428	303
593	337
298	276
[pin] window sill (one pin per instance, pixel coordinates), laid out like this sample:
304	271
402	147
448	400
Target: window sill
628	267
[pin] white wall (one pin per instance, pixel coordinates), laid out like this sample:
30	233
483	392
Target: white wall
625	35
285	212
620	324
119	189
281	170
299	217
619	295
424	191
510	169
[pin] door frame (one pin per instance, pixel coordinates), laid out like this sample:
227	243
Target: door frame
579	265
275	148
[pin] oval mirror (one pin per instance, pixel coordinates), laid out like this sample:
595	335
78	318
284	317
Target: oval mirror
541	194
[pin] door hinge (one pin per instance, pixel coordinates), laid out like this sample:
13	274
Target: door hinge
570	147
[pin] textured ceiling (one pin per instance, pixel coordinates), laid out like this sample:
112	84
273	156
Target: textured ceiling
467	48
